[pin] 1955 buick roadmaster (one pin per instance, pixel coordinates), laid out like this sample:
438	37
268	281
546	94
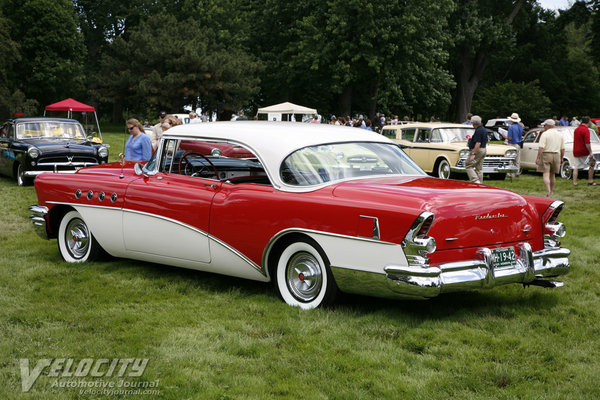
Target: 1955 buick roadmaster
315	209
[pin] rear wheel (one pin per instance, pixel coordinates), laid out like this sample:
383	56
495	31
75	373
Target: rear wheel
75	241
443	169
565	170
303	277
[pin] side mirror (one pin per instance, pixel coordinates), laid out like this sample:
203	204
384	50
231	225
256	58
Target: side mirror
138	170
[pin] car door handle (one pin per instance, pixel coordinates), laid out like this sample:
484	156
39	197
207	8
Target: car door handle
211	186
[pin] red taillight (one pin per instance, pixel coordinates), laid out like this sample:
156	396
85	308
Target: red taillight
552	213
425	227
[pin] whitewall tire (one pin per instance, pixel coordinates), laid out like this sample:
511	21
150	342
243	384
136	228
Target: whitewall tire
443	170
303	277
75	240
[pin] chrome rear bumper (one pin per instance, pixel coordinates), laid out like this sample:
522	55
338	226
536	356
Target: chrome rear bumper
422	282
477	274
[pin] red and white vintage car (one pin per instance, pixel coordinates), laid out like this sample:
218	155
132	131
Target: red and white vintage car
314	209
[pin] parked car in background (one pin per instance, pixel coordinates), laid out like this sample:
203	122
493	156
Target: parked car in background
184	118
31	146
317	209
531	145
441	148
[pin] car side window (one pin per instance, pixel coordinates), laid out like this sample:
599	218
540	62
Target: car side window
4	132
436	136
423	135
408	134
530	138
212	159
389	133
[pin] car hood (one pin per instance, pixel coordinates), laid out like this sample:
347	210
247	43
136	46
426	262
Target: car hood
51	147
466	214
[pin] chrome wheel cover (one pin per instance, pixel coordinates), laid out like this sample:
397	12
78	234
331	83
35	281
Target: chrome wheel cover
77	238
565	172
20	178
444	170
304	276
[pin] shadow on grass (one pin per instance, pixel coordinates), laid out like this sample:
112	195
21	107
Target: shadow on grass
505	301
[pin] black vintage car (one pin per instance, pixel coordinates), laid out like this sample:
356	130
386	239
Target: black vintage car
30	146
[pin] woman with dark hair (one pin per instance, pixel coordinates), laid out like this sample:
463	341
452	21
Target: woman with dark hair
138	146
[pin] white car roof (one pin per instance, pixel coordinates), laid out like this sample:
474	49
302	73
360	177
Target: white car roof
271	141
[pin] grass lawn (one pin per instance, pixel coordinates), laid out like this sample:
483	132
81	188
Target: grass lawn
216	337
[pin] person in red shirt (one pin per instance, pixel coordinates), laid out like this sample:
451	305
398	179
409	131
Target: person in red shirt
582	151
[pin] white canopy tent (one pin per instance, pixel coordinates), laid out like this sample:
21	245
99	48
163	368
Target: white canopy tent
275	112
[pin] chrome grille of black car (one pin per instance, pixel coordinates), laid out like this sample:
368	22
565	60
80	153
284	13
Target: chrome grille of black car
64	159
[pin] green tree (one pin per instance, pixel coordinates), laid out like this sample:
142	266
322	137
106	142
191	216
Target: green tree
354	56
51	49
190	66
526	98
481	29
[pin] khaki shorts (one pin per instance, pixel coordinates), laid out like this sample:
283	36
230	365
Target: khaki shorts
550	163
580	162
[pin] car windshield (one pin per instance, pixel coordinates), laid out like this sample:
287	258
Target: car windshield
315	165
50	130
456	134
568	133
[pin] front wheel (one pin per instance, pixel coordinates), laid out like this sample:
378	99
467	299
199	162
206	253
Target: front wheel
565	170
443	169
75	241
22	180
303	277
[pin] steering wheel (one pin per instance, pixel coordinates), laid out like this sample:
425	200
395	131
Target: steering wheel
203	171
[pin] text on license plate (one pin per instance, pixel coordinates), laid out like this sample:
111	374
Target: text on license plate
504	257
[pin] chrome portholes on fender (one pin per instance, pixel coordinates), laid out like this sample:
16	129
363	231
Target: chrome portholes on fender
78	193
75	241
303	277
113	197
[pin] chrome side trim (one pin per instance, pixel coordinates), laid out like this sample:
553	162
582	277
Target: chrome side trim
376	232
38	218
278	235
201	232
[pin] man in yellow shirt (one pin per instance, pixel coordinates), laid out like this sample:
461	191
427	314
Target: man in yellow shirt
550	155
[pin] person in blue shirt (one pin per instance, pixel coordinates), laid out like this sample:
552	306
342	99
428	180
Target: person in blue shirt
515	139
468	119
139	145
564	121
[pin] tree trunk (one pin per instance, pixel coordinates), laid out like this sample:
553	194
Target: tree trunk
374	90
345	105
472	71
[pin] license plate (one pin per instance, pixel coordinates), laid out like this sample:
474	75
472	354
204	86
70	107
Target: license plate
504	257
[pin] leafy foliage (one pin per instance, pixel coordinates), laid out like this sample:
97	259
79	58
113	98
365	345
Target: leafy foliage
166	65
341	56
51	49
502	98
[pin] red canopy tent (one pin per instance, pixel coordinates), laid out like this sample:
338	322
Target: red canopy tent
69	105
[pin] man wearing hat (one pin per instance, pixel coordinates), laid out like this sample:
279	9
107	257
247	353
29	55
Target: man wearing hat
550	154
515	138
477	146
157	130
